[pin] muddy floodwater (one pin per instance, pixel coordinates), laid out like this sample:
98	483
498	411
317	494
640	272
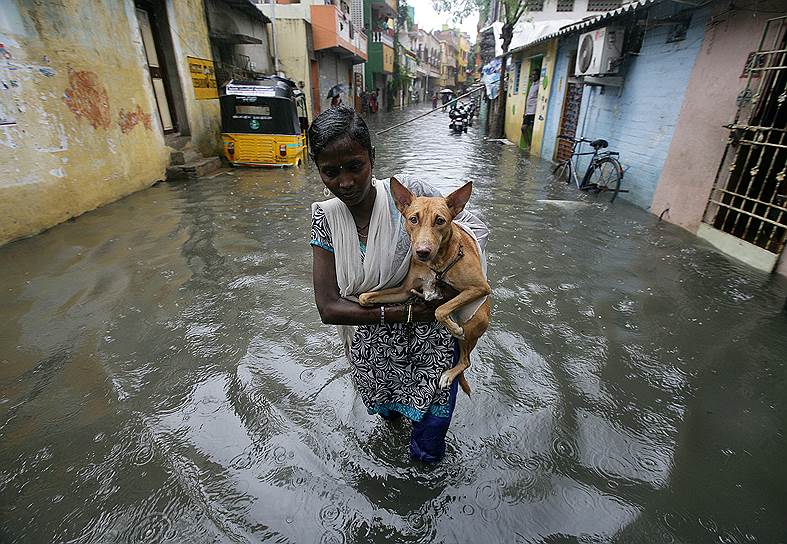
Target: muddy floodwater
164	375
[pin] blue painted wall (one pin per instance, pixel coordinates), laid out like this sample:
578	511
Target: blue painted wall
556	97
639	118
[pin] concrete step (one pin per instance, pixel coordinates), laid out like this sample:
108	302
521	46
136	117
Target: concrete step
184	156
193	170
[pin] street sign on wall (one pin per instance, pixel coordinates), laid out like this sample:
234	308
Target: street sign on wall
203	77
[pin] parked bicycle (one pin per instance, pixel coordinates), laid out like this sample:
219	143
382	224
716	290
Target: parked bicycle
603	174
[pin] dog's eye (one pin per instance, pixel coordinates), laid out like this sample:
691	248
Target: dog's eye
413	219
440	221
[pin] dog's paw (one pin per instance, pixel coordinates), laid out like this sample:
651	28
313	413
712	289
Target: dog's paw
365	299
445	380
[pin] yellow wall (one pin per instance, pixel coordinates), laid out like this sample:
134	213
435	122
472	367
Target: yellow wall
388	59
547	73
190	38
463	50
85	129
515	102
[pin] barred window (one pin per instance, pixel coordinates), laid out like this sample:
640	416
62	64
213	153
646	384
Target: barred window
534	5
565	5
603	5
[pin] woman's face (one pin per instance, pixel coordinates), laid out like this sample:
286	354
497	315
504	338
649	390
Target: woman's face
346	169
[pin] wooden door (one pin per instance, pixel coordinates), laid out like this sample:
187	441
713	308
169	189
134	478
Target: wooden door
156	71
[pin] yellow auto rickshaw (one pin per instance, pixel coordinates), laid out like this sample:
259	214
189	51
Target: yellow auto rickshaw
263	122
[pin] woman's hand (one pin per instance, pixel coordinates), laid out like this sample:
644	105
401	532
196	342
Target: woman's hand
424	311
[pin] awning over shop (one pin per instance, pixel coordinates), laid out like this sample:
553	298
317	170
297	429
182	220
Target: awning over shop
228	37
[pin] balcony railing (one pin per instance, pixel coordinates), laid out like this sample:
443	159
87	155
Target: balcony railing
381	36
360	41
332	29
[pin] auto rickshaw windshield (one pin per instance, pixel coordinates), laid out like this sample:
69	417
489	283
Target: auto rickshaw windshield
259	115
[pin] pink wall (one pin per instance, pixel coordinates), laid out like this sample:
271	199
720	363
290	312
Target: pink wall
699	139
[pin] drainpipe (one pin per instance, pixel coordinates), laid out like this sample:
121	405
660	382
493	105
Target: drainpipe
275	48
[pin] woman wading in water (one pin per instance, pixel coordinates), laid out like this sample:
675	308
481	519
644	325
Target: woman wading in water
359	244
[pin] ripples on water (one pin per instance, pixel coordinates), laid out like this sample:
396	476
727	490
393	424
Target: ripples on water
165	377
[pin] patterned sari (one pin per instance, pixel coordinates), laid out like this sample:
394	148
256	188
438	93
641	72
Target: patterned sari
396	367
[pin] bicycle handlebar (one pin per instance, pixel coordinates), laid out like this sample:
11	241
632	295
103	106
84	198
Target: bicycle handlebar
575	140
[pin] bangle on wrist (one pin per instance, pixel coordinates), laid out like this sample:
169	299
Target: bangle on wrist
382	315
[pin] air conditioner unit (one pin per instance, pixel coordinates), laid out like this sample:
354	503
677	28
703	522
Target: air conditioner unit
598	52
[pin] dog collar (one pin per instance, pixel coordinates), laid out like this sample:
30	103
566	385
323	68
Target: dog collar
459	255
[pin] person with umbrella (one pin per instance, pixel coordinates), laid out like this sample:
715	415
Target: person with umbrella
446	95
335	95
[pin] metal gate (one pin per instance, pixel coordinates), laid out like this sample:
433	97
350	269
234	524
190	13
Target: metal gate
749	195
569	120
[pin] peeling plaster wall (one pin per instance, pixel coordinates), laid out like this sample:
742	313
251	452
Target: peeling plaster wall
78	121
80	128
189	28
700	137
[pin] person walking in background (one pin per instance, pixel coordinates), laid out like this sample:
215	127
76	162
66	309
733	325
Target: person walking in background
374	101
530	108
434	101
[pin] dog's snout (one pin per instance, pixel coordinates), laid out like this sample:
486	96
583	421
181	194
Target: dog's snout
423	253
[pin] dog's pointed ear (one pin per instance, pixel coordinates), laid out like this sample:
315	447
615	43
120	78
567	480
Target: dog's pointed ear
402	196
457	200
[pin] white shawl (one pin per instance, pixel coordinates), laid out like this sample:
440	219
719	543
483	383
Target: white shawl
388	251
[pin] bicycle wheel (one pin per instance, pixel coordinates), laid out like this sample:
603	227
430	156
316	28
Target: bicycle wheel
606	177
562	172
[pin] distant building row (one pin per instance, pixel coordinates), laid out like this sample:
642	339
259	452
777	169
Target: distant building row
360	45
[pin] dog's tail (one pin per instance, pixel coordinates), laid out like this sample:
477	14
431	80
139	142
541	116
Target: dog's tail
463	384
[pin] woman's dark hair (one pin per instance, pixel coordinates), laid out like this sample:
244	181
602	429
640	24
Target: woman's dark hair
336	124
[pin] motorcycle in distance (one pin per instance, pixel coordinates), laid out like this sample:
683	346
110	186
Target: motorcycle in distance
459	118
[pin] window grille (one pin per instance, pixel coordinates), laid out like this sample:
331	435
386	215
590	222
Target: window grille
356	13
565	5
603	5
534	5
749	195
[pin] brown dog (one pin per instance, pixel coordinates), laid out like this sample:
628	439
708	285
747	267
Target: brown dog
443	254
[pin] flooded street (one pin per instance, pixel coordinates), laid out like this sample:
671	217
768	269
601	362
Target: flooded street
165	375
